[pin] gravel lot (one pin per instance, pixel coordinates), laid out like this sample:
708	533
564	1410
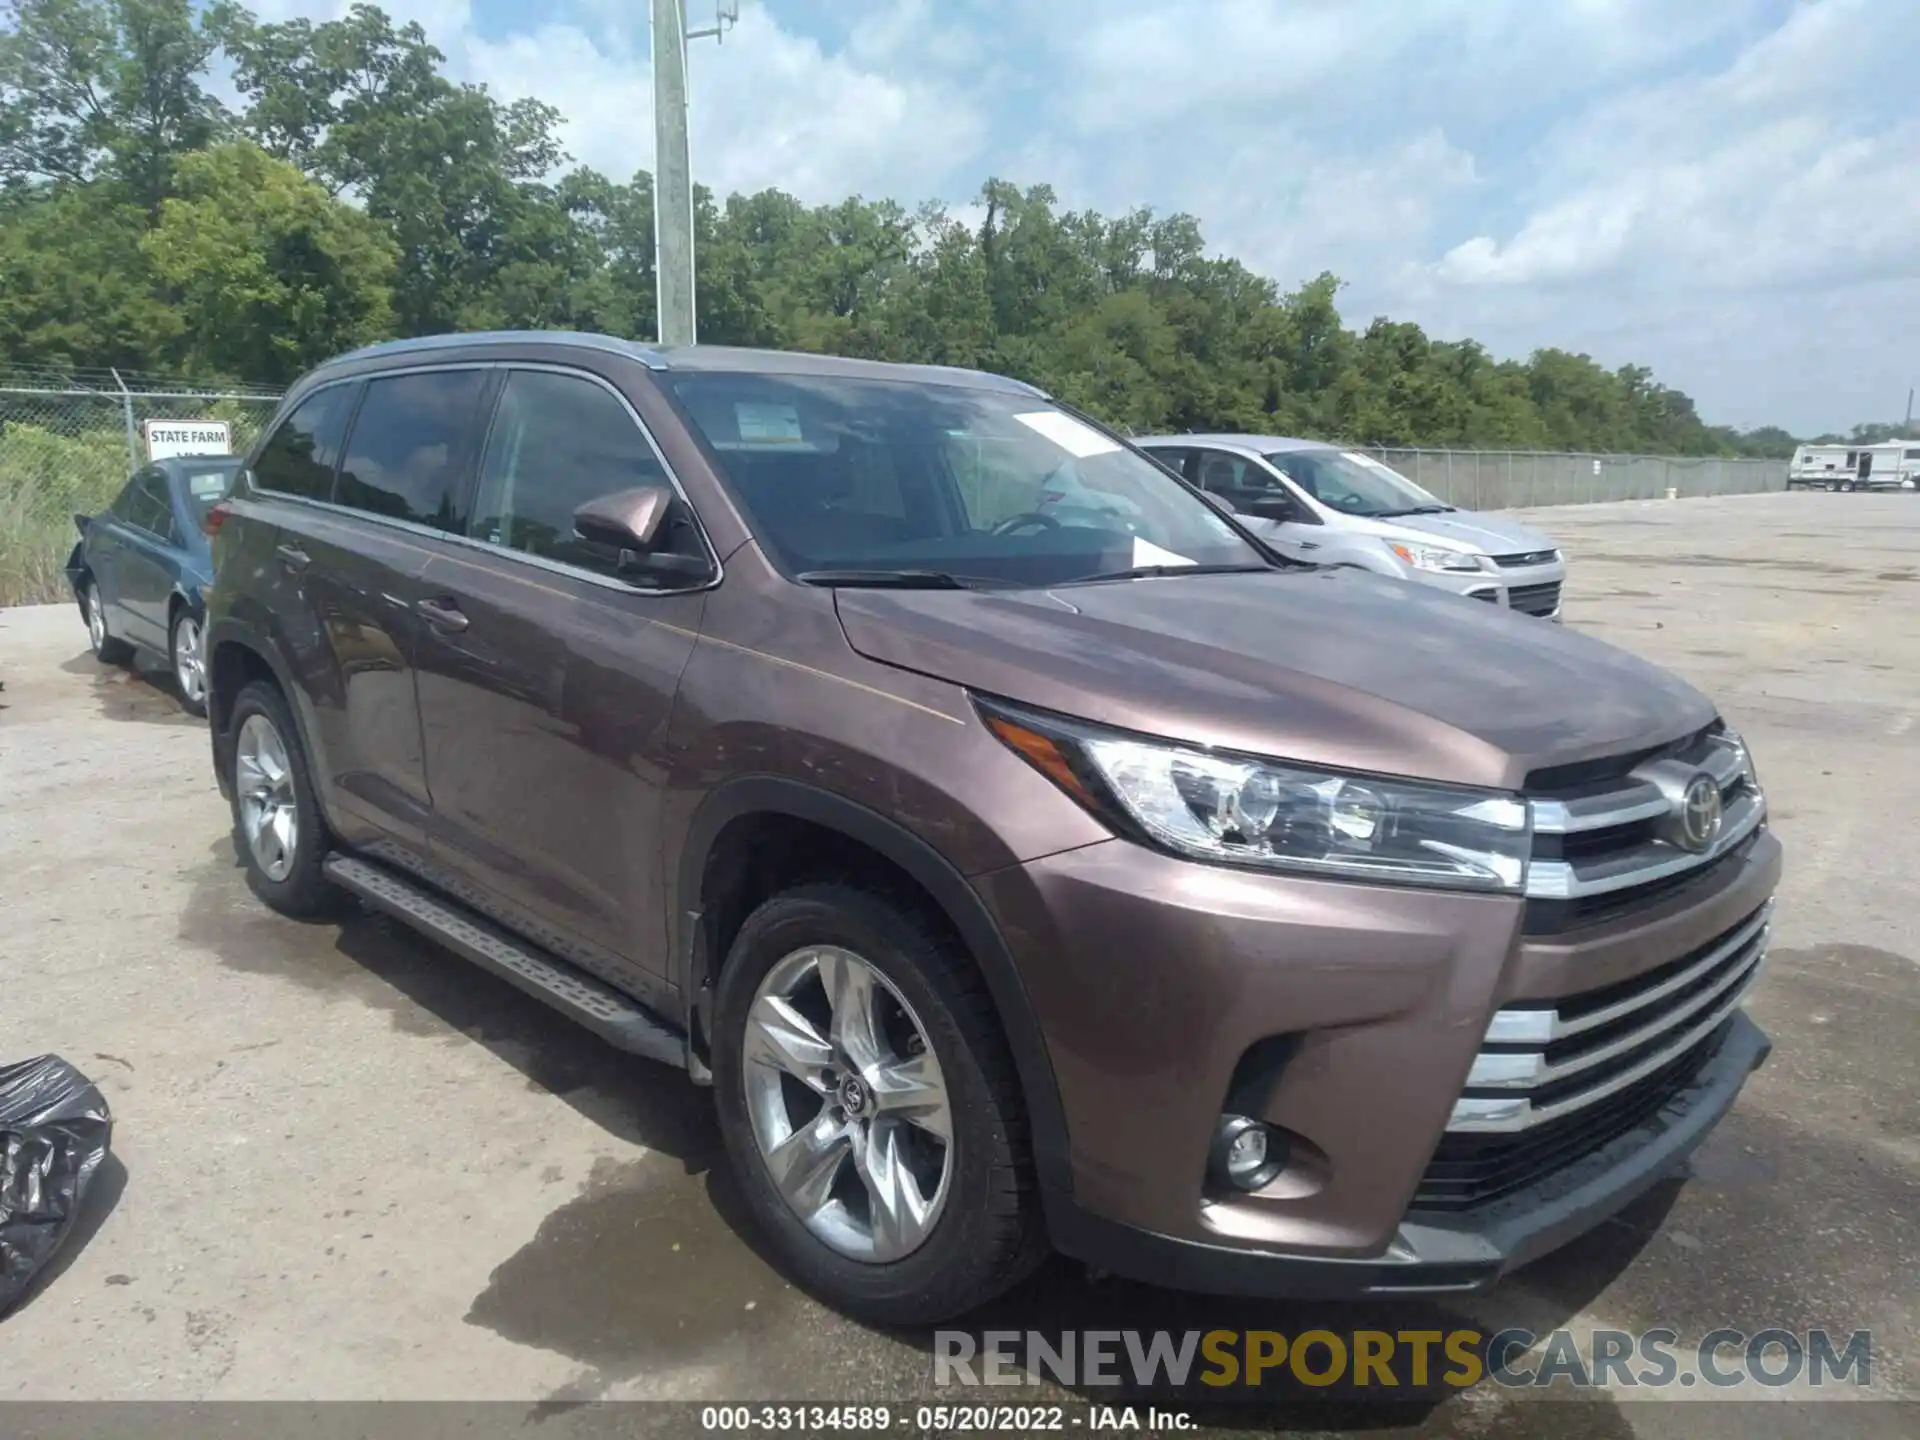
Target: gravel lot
352	1167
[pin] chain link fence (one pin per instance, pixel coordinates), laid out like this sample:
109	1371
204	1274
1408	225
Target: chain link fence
1515	479
68	443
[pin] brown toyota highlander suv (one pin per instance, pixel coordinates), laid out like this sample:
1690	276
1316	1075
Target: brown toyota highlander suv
1026	857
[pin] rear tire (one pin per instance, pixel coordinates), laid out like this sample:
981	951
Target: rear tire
106	649
1846	487
277	830
970	1238
186	649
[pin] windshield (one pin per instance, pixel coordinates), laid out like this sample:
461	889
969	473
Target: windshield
1355	484
873	478
208	483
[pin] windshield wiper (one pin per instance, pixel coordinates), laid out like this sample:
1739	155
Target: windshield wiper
887	579
1414	510
1152	572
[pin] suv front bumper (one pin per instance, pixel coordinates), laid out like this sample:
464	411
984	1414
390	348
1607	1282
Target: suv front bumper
1160	987
1509	589
1437	1254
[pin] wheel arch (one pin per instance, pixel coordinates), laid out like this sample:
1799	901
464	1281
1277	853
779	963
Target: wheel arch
739	811
235	658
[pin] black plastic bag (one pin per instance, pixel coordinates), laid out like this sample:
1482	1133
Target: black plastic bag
54	1129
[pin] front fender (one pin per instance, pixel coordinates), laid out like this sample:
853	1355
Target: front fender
769	794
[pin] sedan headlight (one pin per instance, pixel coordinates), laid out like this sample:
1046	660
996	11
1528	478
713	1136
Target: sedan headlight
1426	557
1236	810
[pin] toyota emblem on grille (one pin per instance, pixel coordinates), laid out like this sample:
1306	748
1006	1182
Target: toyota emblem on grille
1700	813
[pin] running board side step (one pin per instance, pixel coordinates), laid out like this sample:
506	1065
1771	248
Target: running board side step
622	1022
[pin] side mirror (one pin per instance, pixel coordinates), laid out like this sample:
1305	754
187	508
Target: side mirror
1273	507
630	520
637	523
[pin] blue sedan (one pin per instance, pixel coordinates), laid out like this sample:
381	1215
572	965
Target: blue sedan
140	565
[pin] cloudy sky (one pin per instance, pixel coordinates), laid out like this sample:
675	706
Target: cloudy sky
1726	190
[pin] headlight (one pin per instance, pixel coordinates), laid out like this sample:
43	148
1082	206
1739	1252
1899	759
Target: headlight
1733	741
1235	810
1424	557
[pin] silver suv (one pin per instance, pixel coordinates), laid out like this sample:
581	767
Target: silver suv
1329	506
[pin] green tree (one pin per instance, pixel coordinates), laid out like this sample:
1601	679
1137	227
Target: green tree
358	191
272	274
76	288
95	89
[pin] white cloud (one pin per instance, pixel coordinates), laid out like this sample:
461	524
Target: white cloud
1739	230
1688	185
771	108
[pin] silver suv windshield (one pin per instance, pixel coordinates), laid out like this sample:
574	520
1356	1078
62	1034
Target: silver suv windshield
1355	484
861	481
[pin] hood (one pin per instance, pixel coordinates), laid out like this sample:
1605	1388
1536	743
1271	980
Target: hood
1330	667
1490	534
1483	534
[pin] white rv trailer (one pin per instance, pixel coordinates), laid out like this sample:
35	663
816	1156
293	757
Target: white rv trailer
1890	465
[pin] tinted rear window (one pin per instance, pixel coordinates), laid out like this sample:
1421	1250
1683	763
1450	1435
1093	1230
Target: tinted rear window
206	486
410	443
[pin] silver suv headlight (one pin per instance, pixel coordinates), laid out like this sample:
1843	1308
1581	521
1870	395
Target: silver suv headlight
1240	810
1438	560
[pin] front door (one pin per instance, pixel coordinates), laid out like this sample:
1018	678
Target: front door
1865	471
546	684
148	559
1263	501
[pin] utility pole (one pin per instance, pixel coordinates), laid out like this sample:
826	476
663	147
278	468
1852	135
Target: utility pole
673	166
1906	430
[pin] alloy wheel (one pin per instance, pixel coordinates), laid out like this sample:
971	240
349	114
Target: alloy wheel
848	1104
189	665
96	619
269	808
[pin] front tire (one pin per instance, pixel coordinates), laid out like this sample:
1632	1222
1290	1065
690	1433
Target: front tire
106	649
186	648
277	830
870	1109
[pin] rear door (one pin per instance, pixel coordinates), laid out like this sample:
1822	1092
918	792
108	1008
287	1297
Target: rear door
376	473
405	473
547	679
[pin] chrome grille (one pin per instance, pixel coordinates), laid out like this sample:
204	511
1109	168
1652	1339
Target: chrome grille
1525	558
1607	845
1470	1169
1542	1062
1534	599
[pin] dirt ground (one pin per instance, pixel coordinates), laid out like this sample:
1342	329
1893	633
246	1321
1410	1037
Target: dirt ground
351	1167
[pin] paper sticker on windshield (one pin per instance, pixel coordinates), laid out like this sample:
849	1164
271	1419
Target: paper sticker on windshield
1145	552
1077	439
761	424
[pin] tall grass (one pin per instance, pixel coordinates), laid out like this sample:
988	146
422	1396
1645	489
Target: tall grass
45	478
68	457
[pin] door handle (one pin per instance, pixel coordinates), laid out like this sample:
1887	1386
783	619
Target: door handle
293	557
443	615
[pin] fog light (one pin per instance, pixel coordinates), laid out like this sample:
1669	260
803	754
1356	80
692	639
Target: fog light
1246	1155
